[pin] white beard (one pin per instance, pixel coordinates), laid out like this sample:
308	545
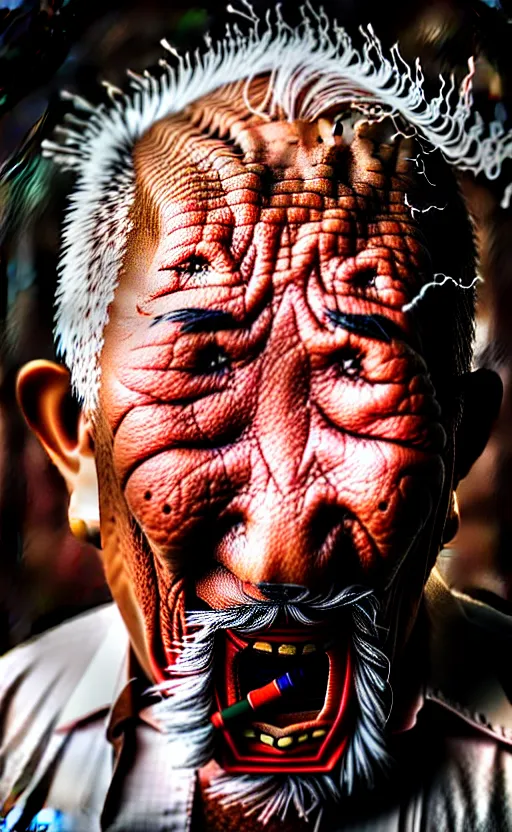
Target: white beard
186	709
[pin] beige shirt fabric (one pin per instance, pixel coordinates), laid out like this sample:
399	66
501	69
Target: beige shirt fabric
62	697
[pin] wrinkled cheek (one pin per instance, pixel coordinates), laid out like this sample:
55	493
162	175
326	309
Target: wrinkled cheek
391	494
176	495
407	516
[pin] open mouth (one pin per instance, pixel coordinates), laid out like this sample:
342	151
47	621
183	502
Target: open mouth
283	700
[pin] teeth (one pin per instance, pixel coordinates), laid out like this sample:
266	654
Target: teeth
284	649
284	742
262	646
287	650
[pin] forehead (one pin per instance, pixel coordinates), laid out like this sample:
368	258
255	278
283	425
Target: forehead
262	201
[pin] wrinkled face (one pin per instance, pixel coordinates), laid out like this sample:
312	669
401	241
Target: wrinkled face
267	417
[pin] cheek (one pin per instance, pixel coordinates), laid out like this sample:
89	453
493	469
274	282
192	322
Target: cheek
390	492
382	445
180	464
392	400
175	495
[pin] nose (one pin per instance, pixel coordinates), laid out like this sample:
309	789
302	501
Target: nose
286	528
291	543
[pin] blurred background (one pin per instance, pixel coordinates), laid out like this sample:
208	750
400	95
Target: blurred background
46	572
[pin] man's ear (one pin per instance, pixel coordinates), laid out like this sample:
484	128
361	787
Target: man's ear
482	392
44	395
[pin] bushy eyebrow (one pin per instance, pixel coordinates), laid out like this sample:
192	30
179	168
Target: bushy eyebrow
198	320
378	327
193	320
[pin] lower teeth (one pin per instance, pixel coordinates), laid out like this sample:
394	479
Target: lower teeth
285	742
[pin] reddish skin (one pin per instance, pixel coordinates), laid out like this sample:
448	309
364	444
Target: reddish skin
257	456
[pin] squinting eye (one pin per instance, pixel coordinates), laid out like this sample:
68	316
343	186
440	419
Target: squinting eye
196	265
210	359
365	278
347	362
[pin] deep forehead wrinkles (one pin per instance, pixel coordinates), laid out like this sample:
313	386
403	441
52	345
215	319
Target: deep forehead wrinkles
272	202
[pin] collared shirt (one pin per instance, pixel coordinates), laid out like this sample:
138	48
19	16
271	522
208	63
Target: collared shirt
76	742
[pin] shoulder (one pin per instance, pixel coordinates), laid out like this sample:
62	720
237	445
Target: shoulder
57	656
42	686
92	623
469	654
466	724
470	789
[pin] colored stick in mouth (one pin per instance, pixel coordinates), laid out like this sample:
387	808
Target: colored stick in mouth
294	718
264	696
259	698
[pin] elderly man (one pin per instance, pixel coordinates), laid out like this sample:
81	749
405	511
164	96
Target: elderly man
278	404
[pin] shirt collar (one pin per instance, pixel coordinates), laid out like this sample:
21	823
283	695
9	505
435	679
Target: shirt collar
469	645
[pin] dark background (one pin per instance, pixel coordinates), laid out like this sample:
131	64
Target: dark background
46	573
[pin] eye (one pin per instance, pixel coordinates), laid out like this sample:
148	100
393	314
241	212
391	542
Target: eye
210	359
365	277
195	265
348	362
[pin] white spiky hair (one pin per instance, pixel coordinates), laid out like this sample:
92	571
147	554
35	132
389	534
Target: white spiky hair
313	67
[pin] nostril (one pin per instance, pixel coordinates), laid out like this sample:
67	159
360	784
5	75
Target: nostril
281	593
326	520
332	541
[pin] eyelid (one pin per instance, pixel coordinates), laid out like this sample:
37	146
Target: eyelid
191	268
213	256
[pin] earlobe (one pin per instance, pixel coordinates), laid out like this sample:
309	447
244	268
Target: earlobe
44	395
482	393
